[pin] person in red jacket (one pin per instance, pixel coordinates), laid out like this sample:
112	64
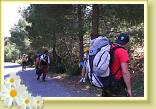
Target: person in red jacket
37	62
119	67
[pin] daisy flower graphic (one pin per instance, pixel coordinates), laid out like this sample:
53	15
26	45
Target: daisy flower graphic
27	101
13	93
1	92
12	96
37	102
12	81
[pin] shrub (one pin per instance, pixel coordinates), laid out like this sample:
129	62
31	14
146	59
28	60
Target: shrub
19	61
73	70
52	69
60	68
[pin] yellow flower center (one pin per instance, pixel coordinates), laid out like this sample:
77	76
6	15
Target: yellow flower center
13	93
27	101
38	101
12	80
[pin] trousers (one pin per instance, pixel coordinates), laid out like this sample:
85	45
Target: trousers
43	70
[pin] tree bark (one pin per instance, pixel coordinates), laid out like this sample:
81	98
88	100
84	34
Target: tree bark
54	48
80	33
95	21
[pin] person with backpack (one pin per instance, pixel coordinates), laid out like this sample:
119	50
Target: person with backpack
105	59
43	65
119	67
24	61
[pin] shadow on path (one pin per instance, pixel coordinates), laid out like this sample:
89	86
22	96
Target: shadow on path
12	66
50	88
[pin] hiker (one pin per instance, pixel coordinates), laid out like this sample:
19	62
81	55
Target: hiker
121	84
108	66
43	65
24	61
84	71
120	64
37	61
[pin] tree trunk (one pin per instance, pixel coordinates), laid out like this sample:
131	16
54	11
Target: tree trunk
80	32
95	21
54	49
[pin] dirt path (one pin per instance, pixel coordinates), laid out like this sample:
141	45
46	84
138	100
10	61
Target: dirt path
55	85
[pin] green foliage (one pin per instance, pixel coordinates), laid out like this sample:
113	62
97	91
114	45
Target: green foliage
132	13
110	27
49	26
46	22
19	61
20	37
11	53
60	68
119	18
73	70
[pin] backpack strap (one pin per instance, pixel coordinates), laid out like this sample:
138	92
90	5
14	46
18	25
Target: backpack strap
116	71
91	57
46	59
112	52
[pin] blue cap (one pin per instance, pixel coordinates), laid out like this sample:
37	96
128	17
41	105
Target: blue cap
122	39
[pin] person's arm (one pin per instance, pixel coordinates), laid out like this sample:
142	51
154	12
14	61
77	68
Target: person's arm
126	77
40	60
37	61
48	60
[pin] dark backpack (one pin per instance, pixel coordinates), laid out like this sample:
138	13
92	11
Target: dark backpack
44	61
114	82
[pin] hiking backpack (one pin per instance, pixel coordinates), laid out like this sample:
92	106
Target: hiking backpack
44	59
100	56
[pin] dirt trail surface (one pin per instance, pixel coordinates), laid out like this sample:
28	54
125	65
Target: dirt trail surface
54	86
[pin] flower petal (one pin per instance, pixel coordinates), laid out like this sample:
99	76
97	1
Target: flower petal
8	102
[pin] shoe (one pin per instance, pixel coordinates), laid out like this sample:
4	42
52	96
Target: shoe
84	80
38	78
81	80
